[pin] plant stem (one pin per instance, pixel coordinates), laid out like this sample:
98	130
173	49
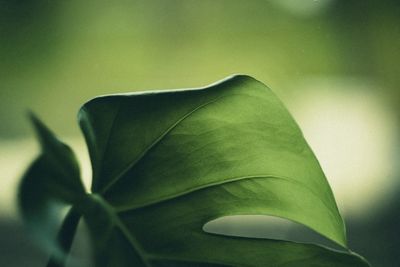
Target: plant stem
64	238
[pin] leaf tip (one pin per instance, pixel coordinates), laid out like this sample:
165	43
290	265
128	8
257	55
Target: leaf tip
42	132
38	125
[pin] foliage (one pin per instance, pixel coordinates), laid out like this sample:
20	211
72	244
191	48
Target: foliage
167	162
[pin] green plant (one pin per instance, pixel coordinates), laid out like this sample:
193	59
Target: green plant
167	162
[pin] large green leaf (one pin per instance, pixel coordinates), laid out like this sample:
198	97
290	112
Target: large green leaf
167	162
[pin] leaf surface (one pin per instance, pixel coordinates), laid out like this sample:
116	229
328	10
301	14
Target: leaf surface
167	162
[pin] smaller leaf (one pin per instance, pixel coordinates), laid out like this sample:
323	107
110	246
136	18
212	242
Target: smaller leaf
51	182
59	159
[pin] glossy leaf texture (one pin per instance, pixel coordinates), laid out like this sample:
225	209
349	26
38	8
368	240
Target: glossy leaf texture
167	162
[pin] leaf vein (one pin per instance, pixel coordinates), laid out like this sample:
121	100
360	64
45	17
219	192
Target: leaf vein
156	141
218	183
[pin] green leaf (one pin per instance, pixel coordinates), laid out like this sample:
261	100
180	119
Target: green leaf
51	182
167	162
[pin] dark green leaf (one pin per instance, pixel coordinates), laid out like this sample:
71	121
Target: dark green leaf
51	182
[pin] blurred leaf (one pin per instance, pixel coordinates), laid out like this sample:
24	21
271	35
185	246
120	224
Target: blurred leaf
52	181
167	162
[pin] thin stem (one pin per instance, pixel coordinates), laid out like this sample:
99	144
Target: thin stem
64	238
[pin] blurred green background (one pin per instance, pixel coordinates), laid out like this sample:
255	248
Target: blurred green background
335	64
